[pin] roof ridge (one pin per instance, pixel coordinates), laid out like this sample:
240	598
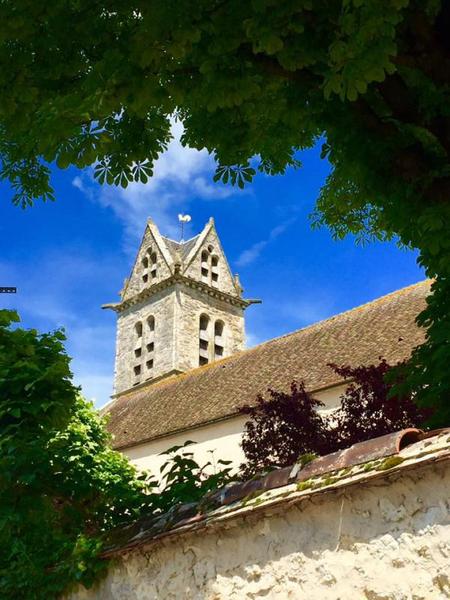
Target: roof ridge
345	312
181	242
217	363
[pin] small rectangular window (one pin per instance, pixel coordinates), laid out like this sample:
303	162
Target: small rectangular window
149	364
137	370
202	361
204	272
203	344
137	352
145	278
153	273
215	277
218	351
150	347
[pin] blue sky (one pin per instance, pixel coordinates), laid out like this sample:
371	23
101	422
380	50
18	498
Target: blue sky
69	257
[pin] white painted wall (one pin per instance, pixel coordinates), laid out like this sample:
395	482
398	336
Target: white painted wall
212	442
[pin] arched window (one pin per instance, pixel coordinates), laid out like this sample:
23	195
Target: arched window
219	339
203	340
150	347
153	266
149	265
144	263
205	266
214	270
137	352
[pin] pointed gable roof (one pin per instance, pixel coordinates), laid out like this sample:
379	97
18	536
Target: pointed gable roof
197	243
151	232
384	327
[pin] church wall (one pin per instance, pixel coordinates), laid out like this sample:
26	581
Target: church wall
219	441
161	308
222	439
190	304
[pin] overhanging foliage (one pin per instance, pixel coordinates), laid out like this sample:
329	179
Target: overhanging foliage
84	83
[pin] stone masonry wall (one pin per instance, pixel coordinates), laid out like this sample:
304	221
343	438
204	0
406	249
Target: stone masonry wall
176	312
386	539
161	308
190	304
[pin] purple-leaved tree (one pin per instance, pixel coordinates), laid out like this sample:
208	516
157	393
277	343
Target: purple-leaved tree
285	426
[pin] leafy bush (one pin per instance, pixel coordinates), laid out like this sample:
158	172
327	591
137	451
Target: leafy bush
286	426
370	406
61	484
183	480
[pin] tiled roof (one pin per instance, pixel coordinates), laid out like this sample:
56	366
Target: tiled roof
182	247
383	458
385	327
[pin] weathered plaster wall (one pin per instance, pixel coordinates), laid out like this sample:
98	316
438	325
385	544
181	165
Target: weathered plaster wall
385	539
218	440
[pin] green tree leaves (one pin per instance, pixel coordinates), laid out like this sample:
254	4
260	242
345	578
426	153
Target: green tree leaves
235	174
62	487
253	83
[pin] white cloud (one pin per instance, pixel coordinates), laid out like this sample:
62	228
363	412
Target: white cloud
79	183
305	313
249	255
180	176
252	339
52	297
96	388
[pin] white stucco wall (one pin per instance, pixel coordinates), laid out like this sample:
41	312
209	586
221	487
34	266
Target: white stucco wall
212	442
383	539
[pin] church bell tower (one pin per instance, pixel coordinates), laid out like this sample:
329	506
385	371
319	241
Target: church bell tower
181	308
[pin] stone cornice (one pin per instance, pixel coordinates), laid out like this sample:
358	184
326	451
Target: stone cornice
177	278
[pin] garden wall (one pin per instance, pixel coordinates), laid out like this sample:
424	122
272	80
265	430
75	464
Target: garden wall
372	531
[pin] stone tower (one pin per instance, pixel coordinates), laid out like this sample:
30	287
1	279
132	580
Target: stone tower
180	308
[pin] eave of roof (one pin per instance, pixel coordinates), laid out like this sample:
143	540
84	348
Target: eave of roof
187	281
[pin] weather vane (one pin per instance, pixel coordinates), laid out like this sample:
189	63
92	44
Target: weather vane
183	219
